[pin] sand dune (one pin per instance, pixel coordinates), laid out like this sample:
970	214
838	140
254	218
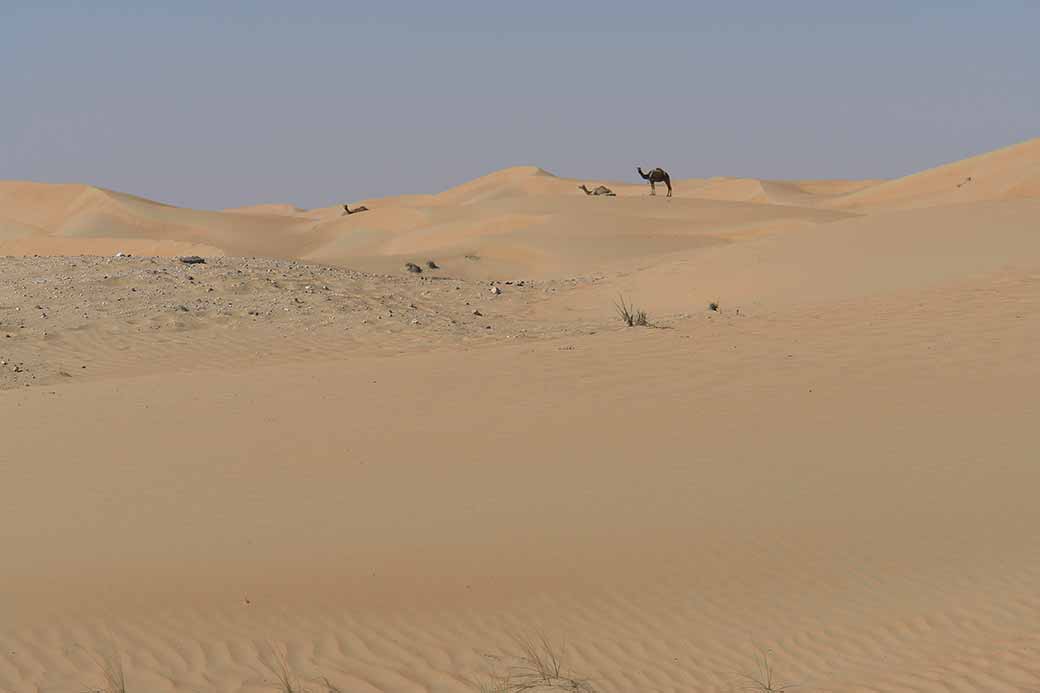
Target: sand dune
1005	174
267	209
300	454
507	216
12	229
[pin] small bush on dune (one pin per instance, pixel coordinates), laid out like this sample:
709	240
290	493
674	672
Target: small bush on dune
110	665
630	315
276	661
537	665
113	673
329	686
764	680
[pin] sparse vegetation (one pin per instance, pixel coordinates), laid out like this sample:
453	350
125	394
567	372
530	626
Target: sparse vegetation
329	686
432	265
412	267
538	665
763	679
630	315
277	662
110	664
714	306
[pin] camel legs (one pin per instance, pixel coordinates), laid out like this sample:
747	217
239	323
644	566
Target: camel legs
653	191
669	184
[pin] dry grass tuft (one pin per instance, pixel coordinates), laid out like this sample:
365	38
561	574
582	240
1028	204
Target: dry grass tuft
630	315
538	665
763	680
329	686
275	660
110	665
277	663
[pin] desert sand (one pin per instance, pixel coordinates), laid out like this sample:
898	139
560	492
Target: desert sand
300	461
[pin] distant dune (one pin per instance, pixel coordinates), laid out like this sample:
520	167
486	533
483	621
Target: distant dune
273	209
1005	174
522	219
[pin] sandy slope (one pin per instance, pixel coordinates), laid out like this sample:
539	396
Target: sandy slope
383	476
1009	173
268	209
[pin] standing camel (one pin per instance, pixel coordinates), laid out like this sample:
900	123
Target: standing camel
658	175
348	210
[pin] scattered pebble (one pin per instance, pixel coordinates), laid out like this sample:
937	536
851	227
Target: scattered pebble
141	296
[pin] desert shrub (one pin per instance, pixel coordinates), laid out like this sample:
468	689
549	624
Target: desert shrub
630	315
536	665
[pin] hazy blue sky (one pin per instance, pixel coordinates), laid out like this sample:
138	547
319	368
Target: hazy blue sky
213	104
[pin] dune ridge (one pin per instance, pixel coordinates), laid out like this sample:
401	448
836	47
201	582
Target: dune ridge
501	211
1005	174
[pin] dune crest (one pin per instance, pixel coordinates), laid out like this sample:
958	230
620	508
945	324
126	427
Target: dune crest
473	219
274	209
1009	173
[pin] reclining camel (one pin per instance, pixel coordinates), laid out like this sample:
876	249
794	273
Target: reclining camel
600	190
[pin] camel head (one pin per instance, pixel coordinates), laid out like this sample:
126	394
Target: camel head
582	187
641	174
